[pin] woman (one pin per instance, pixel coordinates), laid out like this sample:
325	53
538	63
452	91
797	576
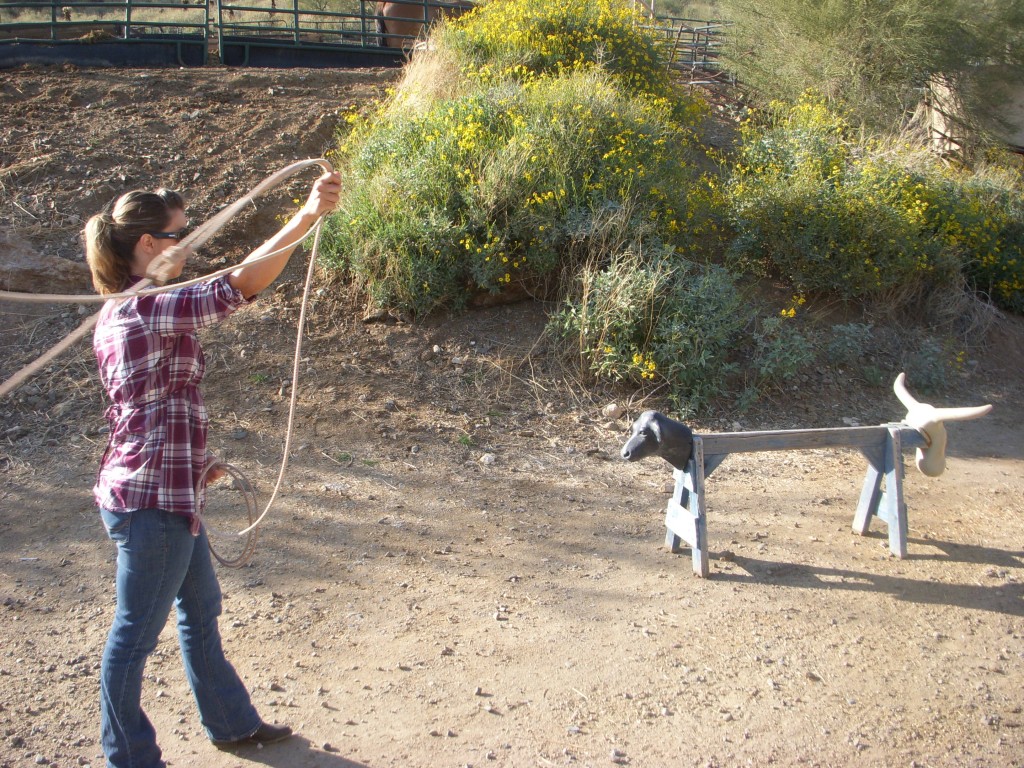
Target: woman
151	365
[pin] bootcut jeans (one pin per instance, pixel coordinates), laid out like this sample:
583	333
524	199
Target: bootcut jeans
160	563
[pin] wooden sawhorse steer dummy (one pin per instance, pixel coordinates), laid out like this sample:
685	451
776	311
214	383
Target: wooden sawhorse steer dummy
697	456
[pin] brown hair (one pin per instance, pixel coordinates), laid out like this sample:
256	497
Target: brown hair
111	235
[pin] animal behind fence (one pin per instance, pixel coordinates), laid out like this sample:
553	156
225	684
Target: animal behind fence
400	24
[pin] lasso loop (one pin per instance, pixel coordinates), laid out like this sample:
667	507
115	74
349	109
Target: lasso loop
157	272
241	483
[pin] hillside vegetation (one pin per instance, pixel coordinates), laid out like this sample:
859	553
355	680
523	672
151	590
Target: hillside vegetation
541	149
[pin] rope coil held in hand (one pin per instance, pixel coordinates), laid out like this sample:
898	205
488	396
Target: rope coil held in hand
157	273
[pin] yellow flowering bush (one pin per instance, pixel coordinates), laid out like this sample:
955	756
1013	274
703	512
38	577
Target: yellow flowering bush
830	212
986	223
523	40
511	186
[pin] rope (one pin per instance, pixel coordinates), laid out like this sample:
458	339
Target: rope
241	482
158	271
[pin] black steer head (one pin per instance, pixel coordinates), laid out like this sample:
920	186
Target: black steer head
655	434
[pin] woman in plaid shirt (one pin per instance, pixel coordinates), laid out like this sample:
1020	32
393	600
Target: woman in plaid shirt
151	364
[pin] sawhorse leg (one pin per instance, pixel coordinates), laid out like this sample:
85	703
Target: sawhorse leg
685	518
888	505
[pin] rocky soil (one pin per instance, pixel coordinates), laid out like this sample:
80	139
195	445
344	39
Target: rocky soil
460	570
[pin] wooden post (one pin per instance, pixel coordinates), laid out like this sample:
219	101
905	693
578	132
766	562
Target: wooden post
686	518
887	504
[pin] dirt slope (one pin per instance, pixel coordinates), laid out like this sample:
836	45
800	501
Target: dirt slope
460	571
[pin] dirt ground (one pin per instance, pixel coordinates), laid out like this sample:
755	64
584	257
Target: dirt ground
460	571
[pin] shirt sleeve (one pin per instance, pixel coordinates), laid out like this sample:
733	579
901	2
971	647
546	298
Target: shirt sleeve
189	308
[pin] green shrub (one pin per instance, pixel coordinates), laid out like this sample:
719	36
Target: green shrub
832	213
657	318
873	57
848	343
929	365
780	352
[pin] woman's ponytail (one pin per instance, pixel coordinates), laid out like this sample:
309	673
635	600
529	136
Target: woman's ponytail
110	271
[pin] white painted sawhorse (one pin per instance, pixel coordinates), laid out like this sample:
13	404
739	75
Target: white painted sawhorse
686	516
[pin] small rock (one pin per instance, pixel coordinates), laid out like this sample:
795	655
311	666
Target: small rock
488	459
612	411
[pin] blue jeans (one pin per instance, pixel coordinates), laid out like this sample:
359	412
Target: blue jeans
160	563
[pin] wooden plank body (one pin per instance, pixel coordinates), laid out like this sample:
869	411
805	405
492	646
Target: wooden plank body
882	445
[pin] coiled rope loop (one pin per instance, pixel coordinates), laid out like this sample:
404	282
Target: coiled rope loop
157	273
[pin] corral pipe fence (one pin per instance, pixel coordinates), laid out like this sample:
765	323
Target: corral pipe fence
272	33
72	20
294	33
693	46
109	32
695	49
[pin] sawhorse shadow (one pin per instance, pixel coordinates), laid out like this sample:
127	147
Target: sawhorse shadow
1002	597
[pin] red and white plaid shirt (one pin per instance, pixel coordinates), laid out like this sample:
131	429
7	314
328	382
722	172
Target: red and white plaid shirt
151	364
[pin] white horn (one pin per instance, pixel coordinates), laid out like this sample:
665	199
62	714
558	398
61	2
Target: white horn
963	414
927	419
900	388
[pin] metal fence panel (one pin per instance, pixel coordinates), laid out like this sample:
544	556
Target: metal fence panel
269	33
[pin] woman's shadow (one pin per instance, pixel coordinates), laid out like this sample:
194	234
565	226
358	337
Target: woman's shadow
296	752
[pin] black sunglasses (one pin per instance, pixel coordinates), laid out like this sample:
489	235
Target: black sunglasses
179	235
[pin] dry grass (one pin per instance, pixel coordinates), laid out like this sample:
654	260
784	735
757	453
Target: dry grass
432	76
